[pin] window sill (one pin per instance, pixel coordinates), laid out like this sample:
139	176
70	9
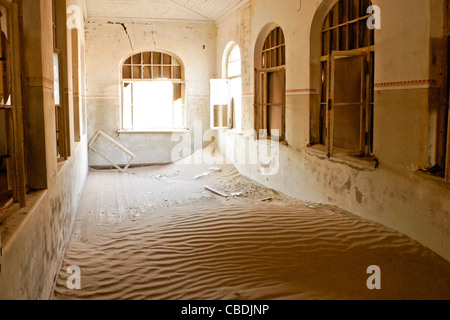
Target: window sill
153	131
61	163
13	218
431	176
369	162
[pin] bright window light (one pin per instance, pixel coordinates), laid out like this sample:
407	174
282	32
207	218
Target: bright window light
153	105
234	62
56	79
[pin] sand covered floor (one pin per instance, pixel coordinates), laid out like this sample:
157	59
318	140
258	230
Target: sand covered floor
156	233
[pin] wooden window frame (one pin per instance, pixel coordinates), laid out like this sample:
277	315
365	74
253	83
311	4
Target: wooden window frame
447	169
273	59
176	78
232	108
226	83
61	110
220	89
14	112
338	34
438	136
76	84
445	93
446	87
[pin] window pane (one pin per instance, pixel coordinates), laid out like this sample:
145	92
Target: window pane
236	102
56	79
127	105
348	81
178	107
234	62
153	105
347	127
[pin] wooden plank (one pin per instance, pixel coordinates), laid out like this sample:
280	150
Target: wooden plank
447	167
330	98
216	192
362	115
18	111
76	87
264	89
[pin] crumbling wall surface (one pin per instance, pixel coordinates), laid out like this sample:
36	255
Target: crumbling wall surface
393	194
107	45
34	238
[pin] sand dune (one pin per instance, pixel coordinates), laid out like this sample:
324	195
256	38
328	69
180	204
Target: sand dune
155	233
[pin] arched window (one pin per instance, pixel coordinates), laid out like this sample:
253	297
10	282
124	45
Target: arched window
345	118
270	62
226	94
153	92
234	75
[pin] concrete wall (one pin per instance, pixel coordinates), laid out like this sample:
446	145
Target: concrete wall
392	194
34	237
107	45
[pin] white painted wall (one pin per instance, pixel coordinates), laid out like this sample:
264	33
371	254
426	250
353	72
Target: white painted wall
107	45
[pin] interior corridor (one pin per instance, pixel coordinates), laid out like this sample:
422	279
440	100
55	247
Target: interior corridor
329	122
156	233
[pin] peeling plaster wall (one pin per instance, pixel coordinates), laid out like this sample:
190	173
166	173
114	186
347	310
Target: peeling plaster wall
392	194
107	45
34	238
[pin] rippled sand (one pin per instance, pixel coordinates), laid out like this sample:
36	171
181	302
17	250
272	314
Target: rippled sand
155	233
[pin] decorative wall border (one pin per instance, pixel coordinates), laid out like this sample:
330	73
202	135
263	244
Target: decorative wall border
199	96
297	92
101	96
406	85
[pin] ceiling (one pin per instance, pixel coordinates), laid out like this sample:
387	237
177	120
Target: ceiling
178	10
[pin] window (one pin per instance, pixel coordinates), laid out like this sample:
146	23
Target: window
12	164
226	94
59	74
76	67
271	85
439	117
153	91
345	116
234	72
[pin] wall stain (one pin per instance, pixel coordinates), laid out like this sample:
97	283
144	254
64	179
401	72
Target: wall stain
359	195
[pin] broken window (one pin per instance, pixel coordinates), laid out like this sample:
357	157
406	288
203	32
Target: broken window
271	86
226	94
61	109
12	167
153	92
345	115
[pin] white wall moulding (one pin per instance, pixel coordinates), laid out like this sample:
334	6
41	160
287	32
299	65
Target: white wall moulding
115	144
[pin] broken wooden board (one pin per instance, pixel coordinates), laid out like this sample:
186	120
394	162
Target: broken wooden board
216	192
